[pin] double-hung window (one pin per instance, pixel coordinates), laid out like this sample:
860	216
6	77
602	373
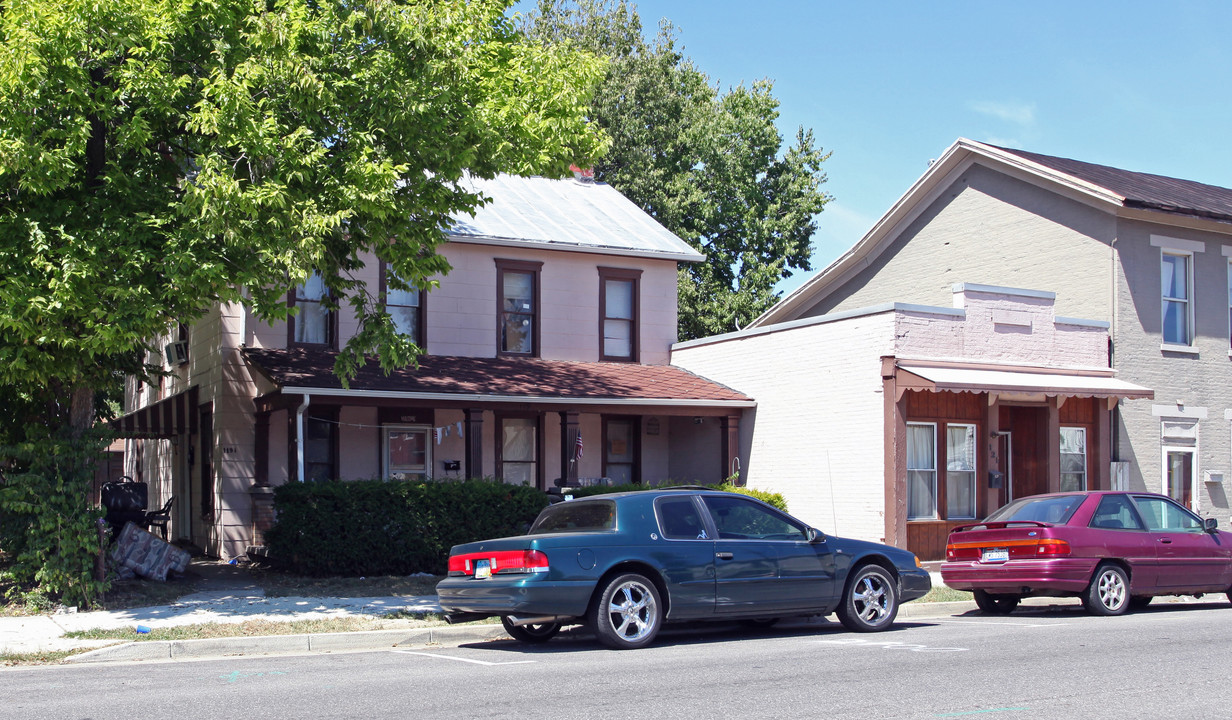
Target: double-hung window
1176	284
960	449
405	307
618	314
1073	459
312	323
517	296
921	471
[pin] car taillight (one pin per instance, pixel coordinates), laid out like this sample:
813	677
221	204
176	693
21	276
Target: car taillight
1052	546
500	562
961	551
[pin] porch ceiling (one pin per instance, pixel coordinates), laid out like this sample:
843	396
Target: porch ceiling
976	380
521	380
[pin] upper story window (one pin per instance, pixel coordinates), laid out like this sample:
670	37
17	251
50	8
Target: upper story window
405	308
517	313
1176	290
618	314
313	323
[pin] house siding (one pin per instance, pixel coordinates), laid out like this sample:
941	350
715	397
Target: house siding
1190	388
990	229
819	436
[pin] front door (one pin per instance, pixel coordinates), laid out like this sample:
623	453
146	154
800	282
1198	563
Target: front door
764	562
1028	463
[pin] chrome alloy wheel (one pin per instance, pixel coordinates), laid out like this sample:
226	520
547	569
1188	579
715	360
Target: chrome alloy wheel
632	610
1112	590
870	599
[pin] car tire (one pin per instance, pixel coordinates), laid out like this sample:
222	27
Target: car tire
995	604
627	613
1137	602
537	633
1108	593
870	600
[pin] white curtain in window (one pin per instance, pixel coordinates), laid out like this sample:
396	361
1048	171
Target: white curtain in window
921	471
960	471
1073	459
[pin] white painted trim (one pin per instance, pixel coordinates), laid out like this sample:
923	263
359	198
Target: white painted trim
1021	292
576	247
1225	250
518	399
1194	495
1175	348
1171	243
1172	411
821	320
1081	322
1227	414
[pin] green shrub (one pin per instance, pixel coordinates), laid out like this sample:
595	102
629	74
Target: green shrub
771	498
374	527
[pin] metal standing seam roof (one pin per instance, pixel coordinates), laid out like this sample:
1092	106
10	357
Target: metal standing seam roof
498	379
1143	190
570	214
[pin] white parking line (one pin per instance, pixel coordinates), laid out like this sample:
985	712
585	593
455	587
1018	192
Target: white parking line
465	660
891	645
994	622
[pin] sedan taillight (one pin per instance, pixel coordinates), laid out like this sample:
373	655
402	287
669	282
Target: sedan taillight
1052	547
502	562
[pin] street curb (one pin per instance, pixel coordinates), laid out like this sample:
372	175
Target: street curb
161	650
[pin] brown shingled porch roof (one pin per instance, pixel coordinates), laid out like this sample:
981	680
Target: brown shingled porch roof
442	377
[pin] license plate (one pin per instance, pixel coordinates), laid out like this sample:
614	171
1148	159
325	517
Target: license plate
483	568
995	555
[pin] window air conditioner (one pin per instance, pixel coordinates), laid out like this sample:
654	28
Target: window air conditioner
177	352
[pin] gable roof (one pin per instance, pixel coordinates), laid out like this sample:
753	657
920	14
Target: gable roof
1121	192
566	215
1143	190
498	380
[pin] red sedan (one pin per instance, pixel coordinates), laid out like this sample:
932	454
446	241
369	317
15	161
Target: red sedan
1115	550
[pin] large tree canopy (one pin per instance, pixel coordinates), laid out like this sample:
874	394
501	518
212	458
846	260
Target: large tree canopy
709	165
158	156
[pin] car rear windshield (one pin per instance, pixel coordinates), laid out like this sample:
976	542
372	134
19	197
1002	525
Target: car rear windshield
1056	509
574	517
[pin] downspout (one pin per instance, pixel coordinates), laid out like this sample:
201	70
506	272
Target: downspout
1114	418
299	437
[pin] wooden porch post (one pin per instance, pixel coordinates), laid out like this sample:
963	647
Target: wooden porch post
568	438
729	441
895	456
1053	443
472	456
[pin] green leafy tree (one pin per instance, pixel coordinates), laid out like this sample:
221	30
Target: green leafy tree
710	166
161	156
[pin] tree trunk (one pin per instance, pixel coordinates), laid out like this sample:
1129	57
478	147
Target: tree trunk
81	410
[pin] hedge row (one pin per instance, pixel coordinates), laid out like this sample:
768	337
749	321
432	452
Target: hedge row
374	527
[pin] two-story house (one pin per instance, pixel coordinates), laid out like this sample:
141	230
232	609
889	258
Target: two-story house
1146	255
547	362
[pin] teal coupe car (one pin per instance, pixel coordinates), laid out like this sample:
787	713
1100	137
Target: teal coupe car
626	563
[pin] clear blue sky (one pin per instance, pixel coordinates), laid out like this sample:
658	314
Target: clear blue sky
887	86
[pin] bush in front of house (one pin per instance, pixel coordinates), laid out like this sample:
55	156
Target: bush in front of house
770	498
376	527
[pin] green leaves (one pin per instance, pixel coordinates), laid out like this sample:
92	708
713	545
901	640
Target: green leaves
709	165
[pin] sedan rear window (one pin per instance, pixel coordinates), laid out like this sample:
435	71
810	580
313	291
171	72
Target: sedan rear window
1056	509
575	517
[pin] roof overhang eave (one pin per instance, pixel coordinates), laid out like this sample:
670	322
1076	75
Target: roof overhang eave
518	399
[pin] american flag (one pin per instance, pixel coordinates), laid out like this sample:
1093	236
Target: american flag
577	447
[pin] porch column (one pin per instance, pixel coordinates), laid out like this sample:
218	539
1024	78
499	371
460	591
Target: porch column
1100	468
1053	443
894	460
472	456
729	443
568	438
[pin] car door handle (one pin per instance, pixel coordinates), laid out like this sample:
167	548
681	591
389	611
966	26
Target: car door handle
1166	541
724	555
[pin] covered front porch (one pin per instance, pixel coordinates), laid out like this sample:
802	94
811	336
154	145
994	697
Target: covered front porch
964	439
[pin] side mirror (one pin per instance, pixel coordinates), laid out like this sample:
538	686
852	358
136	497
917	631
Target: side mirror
1210	525
814	535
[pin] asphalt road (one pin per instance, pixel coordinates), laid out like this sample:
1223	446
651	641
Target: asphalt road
1169	661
